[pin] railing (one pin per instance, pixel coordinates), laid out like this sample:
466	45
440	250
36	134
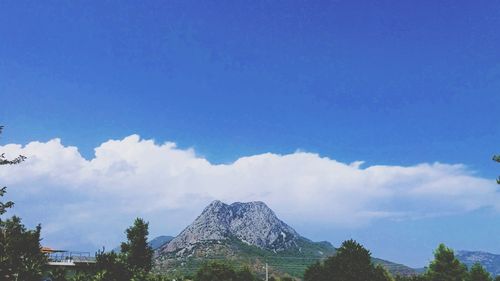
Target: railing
70	257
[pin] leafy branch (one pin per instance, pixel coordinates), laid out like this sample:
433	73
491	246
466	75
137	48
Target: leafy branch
497	159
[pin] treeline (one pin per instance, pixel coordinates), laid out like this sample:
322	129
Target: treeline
353	263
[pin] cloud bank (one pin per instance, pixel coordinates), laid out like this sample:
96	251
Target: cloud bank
88	203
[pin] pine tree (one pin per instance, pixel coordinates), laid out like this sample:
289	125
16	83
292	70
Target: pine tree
352	263
216	271
445	266
138	254
478	273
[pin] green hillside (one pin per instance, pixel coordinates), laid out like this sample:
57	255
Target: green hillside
292	262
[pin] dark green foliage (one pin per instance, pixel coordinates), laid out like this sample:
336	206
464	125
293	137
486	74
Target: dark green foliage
80	276
497	278
111	267
245	275
5	161
134	261
381	274
411	278
58	274
445	267
143	276
136	250
478	273
497	159
219	271
352	263
315	272
215	271
21	254
286	279
6	205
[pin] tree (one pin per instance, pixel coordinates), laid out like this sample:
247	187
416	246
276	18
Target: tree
215	271
315	272
445	267
411	278
219	271
478	273
245	275
3	190
111	267
21	257
497	159
381	274
138	254
58	274
81	276
351	263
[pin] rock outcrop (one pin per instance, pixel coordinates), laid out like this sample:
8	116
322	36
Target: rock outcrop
252	223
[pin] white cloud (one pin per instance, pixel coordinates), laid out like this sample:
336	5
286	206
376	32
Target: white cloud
93	201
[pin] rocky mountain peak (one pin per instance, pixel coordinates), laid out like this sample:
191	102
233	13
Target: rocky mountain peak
253	223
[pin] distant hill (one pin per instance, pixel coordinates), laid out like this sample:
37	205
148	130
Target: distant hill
396	268
159	241
490	261
246	234
155	244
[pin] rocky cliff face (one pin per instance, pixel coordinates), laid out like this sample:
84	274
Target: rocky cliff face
490	261
252	223
247	234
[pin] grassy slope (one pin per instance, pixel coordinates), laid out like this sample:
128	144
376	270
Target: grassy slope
292	262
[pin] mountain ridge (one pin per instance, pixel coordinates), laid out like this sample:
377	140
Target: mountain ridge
253	223
490	261
247	234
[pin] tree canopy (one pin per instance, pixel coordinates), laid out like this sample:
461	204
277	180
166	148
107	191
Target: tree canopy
478	273
351	263
136	250
219	271
20	251
445	266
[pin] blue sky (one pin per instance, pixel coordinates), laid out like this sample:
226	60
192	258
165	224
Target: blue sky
394	83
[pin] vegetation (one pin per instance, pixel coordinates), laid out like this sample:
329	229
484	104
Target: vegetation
446	267
478	273
238	255
352	263
221	271
20	251
497	159
137	253
133	263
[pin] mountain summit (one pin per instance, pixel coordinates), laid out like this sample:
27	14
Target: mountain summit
247	234
253	223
